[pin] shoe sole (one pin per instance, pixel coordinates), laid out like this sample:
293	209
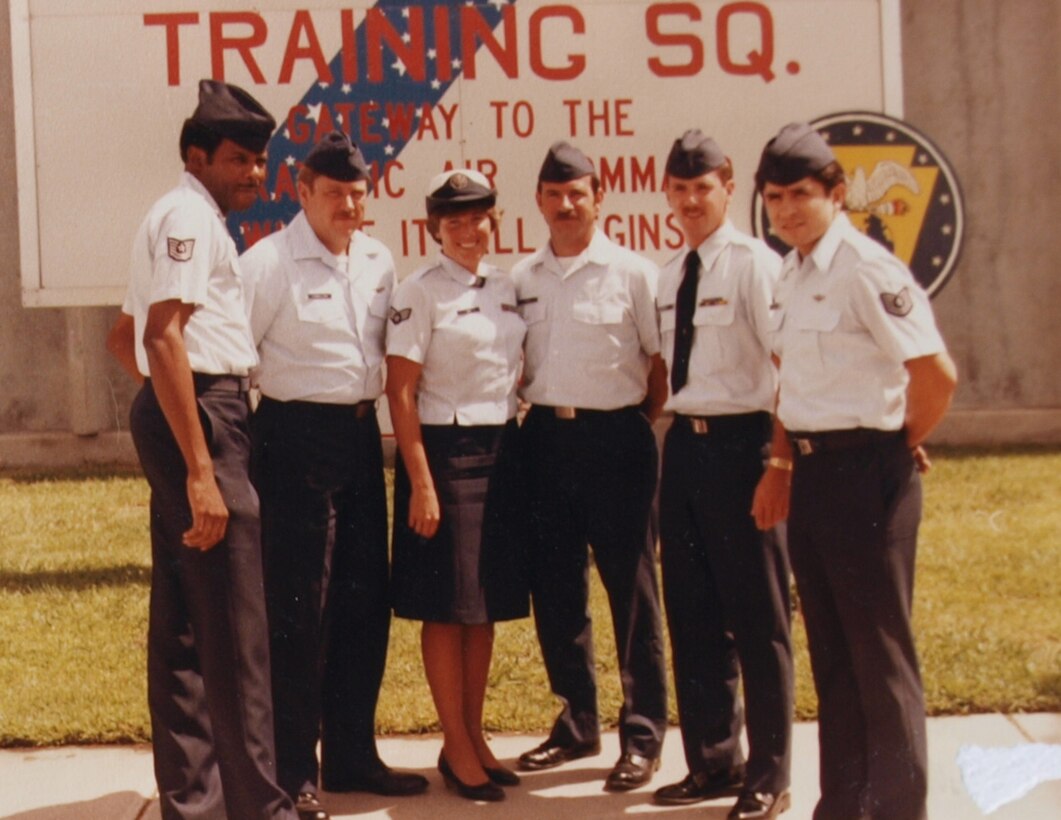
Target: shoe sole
783	804
529	766
725	791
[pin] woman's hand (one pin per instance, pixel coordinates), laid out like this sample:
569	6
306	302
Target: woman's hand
424	512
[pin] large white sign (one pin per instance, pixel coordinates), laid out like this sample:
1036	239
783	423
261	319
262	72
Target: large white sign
103	86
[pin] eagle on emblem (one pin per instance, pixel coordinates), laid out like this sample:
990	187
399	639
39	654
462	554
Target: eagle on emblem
865	194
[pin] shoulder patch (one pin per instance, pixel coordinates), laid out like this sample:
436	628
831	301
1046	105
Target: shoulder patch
897	304
399	316
180	250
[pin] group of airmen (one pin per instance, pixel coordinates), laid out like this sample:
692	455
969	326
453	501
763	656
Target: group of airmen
800	392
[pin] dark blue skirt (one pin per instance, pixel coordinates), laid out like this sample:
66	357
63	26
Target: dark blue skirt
473	570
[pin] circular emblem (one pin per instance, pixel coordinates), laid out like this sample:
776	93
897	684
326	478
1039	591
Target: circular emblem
458	182
901	191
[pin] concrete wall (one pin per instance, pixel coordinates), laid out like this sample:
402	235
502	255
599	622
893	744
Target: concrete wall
981	79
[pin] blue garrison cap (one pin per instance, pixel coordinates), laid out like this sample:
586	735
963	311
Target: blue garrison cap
796	152
565	162
337	157
694	155
457	190
231	113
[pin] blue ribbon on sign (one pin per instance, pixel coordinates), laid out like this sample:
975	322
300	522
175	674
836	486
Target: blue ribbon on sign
399	97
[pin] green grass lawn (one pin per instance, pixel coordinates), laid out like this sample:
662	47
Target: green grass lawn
74	581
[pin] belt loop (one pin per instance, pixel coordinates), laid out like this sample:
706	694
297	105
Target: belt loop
566	413
699	425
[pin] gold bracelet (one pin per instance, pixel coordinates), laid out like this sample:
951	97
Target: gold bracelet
781	463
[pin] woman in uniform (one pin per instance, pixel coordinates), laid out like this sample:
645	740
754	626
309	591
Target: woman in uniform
864	378
453	355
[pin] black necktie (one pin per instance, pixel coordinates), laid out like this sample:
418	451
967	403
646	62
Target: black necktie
684	308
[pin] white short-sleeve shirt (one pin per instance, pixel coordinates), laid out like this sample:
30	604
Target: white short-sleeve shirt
591	329
183	251
318	319
465	331
729	365
844	321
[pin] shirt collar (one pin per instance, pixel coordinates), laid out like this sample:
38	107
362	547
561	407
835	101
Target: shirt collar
460	274
710	248
190	180
829	244
596	253
306	245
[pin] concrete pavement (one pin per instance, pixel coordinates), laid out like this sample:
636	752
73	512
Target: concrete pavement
116	782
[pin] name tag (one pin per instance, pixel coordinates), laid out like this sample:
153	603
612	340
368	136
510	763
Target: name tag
529	301
466	311
509	308
315	296
714	301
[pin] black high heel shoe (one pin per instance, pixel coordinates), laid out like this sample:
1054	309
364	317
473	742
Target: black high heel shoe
502	776
487	790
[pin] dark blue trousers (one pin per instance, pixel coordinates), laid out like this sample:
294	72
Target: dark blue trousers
853	525
725	584
208	650
319	470
590	482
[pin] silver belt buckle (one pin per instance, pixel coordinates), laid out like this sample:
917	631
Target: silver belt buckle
699	425
567	413
805	446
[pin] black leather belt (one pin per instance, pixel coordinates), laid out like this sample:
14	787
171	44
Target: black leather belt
570	413
727	424
224	382
825	441
359	410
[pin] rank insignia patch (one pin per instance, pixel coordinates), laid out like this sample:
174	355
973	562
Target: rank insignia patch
897	304
180	250
399	316
901	191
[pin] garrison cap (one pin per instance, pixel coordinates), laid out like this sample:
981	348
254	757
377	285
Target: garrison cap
337	157
563	163
457	190
231	113
694	155
796	152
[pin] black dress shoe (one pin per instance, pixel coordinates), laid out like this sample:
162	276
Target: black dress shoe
502	776
310	808
487	790
550	754
379	780
630	772
760	806
699	786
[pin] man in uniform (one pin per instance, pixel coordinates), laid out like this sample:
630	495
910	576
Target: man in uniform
593	373
184	329
725	582
319	291
864	378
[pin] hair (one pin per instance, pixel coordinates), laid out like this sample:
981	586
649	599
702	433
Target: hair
830	176
434	220
724	171
307	176
594	182
195	134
